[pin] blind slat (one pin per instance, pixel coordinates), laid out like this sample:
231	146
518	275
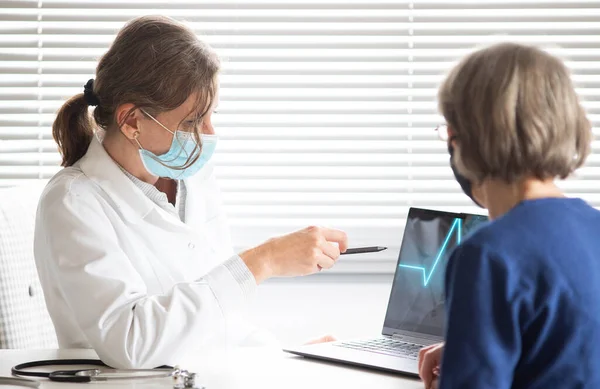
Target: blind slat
327	108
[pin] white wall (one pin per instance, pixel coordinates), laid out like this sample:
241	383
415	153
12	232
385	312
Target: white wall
344	306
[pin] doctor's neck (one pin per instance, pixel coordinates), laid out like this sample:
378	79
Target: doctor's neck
126	155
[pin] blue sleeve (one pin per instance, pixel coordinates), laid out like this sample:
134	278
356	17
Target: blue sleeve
483	343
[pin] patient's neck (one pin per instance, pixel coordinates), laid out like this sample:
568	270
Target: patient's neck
501	197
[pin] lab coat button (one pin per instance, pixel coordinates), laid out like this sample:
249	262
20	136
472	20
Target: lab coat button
191	245
30	290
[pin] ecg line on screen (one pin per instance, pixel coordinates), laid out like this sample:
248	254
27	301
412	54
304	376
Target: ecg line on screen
427	277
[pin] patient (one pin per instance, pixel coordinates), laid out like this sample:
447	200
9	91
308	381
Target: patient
523	292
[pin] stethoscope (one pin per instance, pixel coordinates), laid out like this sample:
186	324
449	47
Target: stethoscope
183	379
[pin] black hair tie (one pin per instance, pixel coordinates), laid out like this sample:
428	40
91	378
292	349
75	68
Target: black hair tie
88	93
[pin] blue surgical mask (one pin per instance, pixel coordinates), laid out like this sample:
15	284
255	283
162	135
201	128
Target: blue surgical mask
182	147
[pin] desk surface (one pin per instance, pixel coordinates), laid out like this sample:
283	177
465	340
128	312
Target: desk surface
240	368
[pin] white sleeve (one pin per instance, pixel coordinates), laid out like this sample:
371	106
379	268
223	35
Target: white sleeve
259	337
242	331
128	328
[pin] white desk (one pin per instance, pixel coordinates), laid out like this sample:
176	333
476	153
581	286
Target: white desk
302	309
241	368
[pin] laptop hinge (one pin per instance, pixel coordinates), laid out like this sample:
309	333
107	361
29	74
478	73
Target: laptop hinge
412	338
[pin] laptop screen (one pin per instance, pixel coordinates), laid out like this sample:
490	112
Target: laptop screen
417	298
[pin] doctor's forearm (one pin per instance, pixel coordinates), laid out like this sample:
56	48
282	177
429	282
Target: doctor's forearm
257	261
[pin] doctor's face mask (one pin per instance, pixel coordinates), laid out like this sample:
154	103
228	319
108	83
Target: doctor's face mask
175	163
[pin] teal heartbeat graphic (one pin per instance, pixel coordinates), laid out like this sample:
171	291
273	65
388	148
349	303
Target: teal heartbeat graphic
457	225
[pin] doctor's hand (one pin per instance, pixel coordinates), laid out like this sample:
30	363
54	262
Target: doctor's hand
322	339
430	358
300	253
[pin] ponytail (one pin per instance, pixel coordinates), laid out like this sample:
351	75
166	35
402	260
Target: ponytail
73	130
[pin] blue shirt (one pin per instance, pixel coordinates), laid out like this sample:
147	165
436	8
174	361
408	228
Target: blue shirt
523	301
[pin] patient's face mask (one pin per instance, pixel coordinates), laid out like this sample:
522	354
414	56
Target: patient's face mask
444	134
183	146
463	181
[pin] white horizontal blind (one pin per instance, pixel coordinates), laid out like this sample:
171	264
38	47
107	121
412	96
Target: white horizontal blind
327	107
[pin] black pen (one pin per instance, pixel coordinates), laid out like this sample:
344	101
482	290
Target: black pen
362	250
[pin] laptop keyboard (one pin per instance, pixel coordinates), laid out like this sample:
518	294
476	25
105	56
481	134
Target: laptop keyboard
385	346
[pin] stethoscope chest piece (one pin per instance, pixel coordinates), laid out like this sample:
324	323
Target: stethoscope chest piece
185	380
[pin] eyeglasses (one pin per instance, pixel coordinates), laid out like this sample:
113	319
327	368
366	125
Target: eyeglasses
442	131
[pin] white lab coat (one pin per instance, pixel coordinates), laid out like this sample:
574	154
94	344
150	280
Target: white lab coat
123	276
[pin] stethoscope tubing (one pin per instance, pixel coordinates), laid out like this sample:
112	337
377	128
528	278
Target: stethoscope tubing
58	376
79	376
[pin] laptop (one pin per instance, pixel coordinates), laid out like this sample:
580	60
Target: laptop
415	314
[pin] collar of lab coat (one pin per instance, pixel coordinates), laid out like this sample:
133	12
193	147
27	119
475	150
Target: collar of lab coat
99	167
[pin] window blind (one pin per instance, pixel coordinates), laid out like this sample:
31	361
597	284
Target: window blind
328	107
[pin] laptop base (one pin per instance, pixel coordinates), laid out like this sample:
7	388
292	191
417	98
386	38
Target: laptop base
370	360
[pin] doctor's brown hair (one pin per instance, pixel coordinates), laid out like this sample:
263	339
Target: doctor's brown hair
515	114
154	63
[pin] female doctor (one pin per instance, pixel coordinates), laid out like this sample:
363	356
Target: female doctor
131	245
